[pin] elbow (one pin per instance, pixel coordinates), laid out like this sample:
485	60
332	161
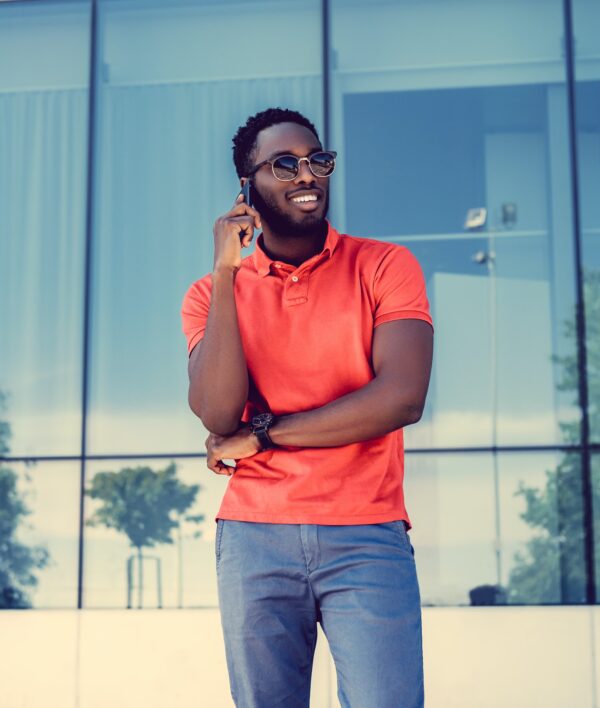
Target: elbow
412	413
215	422
220	427
194	405
408	413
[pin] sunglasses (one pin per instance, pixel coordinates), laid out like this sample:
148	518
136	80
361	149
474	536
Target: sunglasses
286	167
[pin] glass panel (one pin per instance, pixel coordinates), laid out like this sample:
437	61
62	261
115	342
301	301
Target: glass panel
497	529
167	118
39	531
443	108
162	511
587	71
43	149
595	462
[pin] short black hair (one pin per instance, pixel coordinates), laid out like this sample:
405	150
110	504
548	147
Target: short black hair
244	141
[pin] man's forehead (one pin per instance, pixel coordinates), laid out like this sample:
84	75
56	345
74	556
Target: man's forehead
285	138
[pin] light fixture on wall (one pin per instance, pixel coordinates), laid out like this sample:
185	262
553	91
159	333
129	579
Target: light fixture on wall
476	218
509	215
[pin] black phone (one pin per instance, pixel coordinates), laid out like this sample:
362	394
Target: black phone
246	191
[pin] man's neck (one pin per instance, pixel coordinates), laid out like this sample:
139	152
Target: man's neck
295	249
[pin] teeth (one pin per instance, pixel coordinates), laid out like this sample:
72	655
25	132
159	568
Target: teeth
307	198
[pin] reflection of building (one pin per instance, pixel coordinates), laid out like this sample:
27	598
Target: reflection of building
108	191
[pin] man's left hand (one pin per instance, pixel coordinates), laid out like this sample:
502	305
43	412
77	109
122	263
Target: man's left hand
240	444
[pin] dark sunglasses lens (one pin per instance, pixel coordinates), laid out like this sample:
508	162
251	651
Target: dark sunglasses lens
322	164
285	167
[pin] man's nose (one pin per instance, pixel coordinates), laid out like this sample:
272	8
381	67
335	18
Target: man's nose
304	173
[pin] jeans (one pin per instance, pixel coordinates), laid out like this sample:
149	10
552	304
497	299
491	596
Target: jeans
276	581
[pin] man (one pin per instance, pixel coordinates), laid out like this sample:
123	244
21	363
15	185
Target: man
307	358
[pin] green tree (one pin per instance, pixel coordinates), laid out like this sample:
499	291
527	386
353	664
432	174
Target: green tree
17	560
144	504
552	567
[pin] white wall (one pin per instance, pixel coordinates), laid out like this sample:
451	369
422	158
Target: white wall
475	657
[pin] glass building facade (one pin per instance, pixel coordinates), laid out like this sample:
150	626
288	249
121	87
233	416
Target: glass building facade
467	131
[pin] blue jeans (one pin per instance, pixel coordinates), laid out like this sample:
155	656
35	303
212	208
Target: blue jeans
276	581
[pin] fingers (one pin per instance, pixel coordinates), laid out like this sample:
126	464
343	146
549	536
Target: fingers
246	233
219	467
240	207
214	463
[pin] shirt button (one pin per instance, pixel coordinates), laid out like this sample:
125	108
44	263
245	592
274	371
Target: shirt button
295	278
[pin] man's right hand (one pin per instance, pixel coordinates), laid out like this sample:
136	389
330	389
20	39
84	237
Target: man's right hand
234	231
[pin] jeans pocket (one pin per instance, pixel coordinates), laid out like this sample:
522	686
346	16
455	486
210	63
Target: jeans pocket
218	535
400	527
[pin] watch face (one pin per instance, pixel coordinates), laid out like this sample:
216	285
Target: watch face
262	418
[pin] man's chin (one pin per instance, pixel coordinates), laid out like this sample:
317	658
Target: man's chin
308	217
305	225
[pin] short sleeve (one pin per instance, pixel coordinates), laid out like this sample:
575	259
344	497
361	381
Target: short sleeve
194	311
399	288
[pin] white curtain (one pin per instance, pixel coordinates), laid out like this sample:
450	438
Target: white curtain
163	173
42	233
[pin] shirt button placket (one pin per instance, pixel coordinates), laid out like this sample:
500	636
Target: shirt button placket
296	288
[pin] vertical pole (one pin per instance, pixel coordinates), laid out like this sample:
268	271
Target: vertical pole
159	581
129	572
140	579
586	471
325	70
179	563
91	137
491	263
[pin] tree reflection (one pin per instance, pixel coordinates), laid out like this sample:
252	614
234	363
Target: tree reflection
552	568
147	506
17	560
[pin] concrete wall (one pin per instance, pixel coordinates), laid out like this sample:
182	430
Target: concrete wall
474	658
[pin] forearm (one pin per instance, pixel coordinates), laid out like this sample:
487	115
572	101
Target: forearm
219	379
369	412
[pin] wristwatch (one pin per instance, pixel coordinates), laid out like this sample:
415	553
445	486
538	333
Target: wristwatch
259	425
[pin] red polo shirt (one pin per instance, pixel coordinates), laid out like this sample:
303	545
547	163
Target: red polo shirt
307	333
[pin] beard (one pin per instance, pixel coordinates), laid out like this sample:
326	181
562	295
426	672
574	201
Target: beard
283	224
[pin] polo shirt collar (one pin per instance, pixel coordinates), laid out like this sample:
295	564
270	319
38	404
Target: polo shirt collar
262	262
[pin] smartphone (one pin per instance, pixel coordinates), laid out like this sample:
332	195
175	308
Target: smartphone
246	191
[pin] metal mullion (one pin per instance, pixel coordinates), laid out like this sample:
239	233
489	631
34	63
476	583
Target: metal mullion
586	468
325	68
92	103
592	447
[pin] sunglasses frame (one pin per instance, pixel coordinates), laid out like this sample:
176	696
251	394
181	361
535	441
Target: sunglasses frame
274	159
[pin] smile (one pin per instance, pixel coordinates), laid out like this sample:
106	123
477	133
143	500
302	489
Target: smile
308	201
307	198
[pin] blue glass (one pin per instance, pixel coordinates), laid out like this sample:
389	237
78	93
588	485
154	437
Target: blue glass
176	83
586	16
43	172
443	108
492	529
178	568
39	534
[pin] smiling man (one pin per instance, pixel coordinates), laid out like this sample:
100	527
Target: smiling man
306	360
